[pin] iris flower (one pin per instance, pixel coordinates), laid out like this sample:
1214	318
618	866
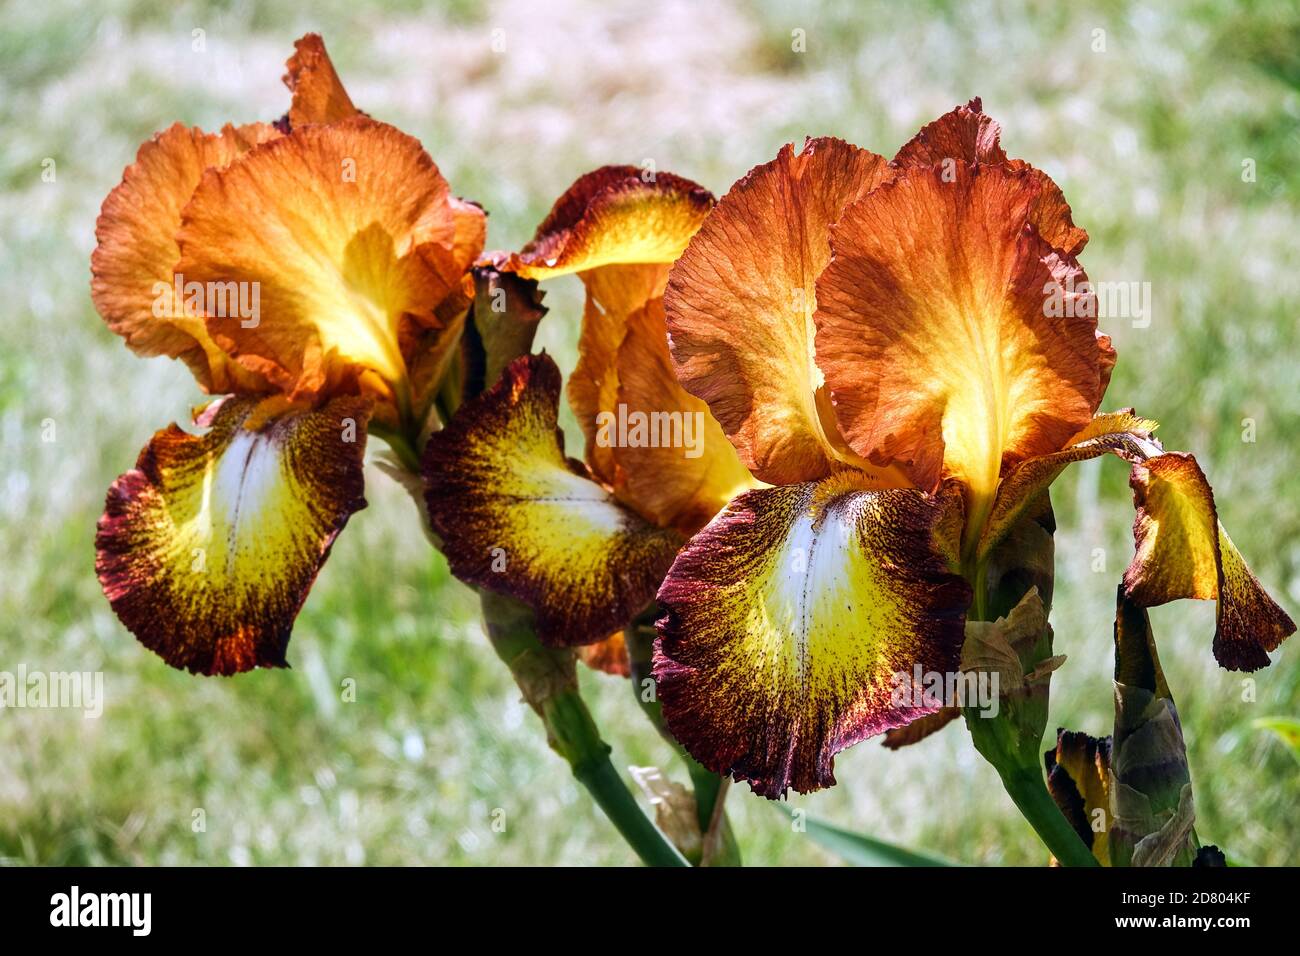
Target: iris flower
314	275
908	352
894	360
586	544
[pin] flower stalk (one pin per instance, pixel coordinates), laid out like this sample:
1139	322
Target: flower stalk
548	679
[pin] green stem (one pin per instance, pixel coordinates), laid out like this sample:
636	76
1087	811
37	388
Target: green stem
401	447
549	684
593	769
1026	788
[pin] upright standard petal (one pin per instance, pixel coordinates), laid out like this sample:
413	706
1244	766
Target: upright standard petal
133	283
791	620
678	468
740	307
318	93
207	548
950	332
968	135
517	517
344	237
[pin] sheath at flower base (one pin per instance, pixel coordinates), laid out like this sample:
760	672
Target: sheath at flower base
908	351
586	544
348	258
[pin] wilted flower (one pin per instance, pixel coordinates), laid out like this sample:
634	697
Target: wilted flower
314	273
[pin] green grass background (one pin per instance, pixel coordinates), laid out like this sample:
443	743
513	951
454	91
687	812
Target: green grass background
1147	138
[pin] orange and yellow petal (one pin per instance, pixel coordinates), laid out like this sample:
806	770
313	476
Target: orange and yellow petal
955	341
342	234
318	93
614	294
132	282
208	547
507	310
614	215
678	468
1184	552
967	135
740	306
517	517
787	619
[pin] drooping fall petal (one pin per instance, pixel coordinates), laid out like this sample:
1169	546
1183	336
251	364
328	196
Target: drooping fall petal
1184	552
132	284
346	235
207	548
518	517
954	339
318	93
740	304
787	619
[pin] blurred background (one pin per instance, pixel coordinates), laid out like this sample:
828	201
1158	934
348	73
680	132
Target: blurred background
1149	115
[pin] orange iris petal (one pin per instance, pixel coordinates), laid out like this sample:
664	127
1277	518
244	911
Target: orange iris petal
740	304
132	266
346	235
942	347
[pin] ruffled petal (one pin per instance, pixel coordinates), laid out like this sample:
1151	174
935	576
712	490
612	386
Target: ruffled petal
612	216
346	236
208	547
132	284
968	135
740	304
951	335
787	619
517	517
318	93
614	294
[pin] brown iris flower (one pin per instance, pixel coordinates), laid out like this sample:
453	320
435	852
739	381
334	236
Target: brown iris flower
314	273
902	356
909	351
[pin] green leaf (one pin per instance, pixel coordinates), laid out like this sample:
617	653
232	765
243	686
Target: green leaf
1287	730
861	850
